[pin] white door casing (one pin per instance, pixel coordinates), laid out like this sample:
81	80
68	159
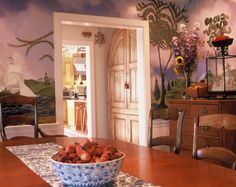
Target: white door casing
143	65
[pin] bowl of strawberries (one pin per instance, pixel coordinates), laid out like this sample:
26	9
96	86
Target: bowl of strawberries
87	163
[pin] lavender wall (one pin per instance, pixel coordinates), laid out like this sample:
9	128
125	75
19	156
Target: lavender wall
31	19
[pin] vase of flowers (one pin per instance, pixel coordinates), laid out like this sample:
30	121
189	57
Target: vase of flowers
181	68
185	48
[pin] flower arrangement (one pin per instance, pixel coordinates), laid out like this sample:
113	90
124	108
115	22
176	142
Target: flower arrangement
185	47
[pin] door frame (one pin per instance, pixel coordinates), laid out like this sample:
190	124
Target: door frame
143	64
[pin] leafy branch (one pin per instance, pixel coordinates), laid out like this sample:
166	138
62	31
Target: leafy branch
216	26
31	43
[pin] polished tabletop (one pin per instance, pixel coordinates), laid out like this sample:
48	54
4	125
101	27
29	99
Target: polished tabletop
151	165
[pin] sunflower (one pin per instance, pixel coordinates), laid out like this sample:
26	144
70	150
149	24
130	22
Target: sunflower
179	60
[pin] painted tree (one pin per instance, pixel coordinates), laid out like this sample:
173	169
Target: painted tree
29	44
172	83
216	26
156	91
168	86
163	18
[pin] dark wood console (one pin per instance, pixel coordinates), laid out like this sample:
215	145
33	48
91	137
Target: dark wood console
207	136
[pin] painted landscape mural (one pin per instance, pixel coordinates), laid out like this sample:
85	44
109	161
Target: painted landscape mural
26	45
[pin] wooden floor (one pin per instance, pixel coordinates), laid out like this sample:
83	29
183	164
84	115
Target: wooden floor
73	133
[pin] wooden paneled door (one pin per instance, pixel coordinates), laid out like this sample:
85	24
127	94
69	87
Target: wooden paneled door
122	86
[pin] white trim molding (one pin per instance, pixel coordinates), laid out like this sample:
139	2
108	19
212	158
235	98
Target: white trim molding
143	47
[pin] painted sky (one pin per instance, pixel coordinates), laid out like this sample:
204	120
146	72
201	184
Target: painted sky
30	19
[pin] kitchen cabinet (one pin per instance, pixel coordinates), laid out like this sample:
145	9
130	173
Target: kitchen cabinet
76	112
73	65
68	71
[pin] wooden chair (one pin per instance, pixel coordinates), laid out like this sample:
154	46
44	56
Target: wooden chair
9	117
167	114
218	155
81	116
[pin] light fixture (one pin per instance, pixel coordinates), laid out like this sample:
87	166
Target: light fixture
99	38
86	34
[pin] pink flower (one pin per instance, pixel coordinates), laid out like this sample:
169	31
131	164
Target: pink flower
186	45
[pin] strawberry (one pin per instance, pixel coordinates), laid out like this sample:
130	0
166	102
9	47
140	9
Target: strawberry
85	157
86	152
72	155
70	149
79	150
86	143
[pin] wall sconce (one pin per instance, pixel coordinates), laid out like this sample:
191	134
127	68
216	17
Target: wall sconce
99	38
86	34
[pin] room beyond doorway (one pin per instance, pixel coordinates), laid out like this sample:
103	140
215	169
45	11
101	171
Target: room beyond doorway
75	59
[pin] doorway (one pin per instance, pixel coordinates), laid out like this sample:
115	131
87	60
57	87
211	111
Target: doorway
95	128
75	59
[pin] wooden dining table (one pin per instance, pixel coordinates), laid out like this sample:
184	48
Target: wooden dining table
151	165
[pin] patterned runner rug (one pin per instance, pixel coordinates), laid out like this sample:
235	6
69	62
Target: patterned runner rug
37	158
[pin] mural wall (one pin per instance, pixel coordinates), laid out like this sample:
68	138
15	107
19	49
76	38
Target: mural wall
26	45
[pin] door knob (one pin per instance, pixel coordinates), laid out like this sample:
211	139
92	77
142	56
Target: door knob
126	85
204	111
205	145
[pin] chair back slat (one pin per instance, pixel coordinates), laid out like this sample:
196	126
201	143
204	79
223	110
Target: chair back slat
17	119
16	99
20	118
226	123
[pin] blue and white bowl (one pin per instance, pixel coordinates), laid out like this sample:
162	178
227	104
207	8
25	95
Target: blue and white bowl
88	174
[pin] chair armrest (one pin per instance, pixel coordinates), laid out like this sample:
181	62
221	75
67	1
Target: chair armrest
218	154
